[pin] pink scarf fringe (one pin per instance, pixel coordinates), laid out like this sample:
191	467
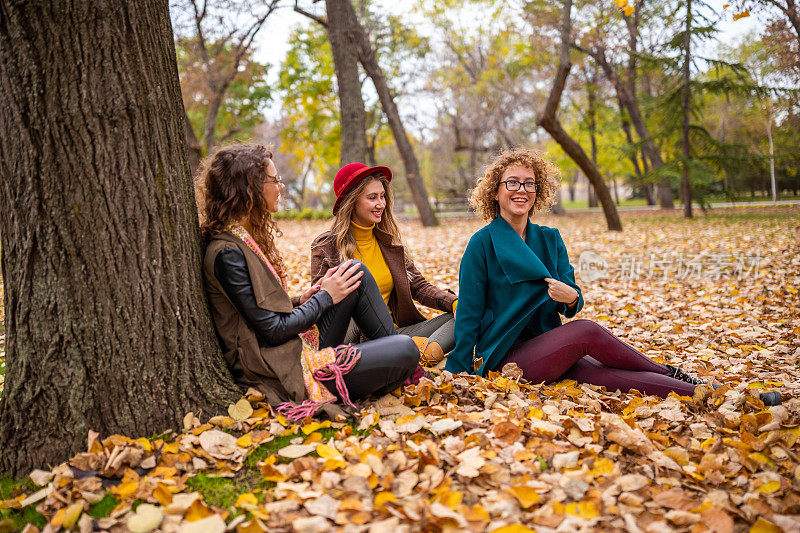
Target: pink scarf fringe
347	356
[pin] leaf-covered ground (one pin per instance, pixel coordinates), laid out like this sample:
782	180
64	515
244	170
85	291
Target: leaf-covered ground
497	454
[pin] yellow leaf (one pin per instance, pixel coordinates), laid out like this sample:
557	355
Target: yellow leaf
585	510
58	518
145	444
197	511
241	410
125	490
513	528
162	495
761	458
535	413
328	452
621	3
333	464
602	467
253	526
741	15
405	419
382	497
172	447
451	499
526	495
770	487
724	7
71	515
314	426
628	10
476	513
248	499
755	385
763	525
245	441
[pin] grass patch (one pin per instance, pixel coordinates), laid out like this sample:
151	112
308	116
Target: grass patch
15	519
224	491
103	508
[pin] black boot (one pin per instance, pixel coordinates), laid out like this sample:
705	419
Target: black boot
677	373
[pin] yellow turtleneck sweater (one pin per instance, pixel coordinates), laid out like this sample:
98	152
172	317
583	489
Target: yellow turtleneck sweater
369	253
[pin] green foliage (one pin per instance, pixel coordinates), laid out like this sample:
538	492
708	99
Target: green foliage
245	99
102	508
223	491
13	519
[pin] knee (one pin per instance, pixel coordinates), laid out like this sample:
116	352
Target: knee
583	326
406	351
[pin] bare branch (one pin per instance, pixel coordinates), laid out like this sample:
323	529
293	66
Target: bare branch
319	20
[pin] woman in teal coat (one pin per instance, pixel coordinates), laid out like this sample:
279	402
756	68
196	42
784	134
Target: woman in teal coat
514	282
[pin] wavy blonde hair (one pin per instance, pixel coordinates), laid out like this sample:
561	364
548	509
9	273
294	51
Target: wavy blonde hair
340	230
229	189
546	174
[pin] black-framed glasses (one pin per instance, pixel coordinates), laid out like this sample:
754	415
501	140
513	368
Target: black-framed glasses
274	179
514	185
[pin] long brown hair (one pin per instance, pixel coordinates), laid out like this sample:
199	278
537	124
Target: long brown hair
340	230
229	189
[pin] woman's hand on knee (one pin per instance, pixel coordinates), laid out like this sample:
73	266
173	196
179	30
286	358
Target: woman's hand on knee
342	280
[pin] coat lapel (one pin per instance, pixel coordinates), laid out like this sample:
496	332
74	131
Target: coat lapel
517	258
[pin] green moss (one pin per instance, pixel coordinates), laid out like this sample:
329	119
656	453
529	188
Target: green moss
103	508
15	519
224	491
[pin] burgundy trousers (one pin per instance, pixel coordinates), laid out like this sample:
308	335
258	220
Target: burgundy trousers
588	353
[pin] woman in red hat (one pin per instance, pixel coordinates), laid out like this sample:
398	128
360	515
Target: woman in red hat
365	228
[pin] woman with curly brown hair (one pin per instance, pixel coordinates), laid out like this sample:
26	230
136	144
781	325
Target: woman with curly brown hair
364	228
288	348
514	281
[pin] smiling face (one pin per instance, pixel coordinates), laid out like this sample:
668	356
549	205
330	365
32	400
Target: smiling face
515	204
370	204
271	189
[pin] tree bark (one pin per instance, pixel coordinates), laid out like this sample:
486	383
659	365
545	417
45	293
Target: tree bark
686	186
345	62
551	124
368	60
106	320
592	106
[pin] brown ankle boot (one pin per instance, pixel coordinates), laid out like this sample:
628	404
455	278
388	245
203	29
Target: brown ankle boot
430	353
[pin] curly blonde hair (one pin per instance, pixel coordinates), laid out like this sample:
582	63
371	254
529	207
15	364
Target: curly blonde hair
546	174
228	187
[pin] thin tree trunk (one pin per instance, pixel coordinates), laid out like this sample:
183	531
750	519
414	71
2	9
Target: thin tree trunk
370	63
551	124
772	161
194	151
343	41
686	187
107	324
631	104
592	105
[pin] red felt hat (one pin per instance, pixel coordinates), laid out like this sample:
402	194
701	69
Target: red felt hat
349	176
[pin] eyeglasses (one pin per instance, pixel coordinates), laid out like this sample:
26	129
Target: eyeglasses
514	185
275	179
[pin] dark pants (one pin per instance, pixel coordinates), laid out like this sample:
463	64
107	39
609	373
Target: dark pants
563	353
438	329
387	360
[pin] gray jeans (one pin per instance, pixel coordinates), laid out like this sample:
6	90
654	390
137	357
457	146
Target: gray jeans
437	329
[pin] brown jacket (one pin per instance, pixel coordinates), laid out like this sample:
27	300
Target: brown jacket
274	370
409	283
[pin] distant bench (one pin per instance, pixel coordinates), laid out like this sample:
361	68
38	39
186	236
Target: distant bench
451	205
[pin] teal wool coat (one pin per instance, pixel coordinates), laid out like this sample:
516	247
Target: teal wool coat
502	291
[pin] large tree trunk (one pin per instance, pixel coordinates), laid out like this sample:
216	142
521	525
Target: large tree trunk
345	62
686	186
551	124
106	321
370	63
